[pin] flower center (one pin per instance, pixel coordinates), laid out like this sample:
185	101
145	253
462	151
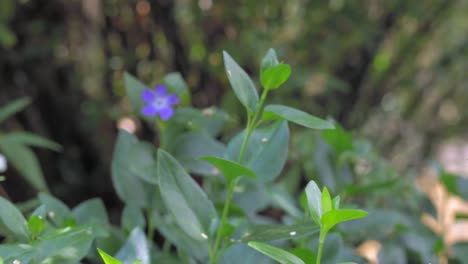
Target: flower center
159	103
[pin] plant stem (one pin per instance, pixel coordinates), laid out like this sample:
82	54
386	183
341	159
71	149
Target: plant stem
149	217
251	125
320	248
224	216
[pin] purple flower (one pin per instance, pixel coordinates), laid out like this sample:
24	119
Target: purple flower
158	102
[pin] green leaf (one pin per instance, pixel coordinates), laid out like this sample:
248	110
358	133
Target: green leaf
67	245
281	112
184	198
30	139
134	90
274	76
57	211
278	254
92	212
13	108
264	233
305	254
314	201
136	248
142	163
35	225
127	185
336	202
230	169
189	147
450	182
241	83
249	255
267	145
132	217
270	60
326	201
339	139
24	160
209	121
177	85
332	218
108	259
12	222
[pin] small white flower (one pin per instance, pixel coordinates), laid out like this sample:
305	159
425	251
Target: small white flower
3	163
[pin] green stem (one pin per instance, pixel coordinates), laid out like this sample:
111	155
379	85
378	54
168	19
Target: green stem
149	217
320	248
252	122
224	216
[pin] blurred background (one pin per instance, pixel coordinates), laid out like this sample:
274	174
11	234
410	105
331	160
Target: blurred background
394	72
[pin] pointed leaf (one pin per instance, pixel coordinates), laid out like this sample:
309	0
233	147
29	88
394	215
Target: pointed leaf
189	147
57	211
107	258
25	161
314	200
264	233
332	218
281	112
136	248
278	254
274	76
267	145
231	170
177	85
12	222
127	185
35	225
326	201
184	198
270	60
241	83
13	108
30	139
134	90
142	163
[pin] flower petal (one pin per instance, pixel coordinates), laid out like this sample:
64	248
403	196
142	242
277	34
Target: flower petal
173	99
149	110
160	89
147	96
166	113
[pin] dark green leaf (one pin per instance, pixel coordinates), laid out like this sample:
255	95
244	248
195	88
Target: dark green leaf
136	248
57	211
264	233
274	76
184	198
127	185
30	139
281	112
13	108
230	169
134	90
24	160
92	212
267	145
241	83
189	147
12	222
275	253
339	139
132	217
177	85
142	163
249	255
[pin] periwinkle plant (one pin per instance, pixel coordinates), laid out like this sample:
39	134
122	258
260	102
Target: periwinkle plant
211	219
185	200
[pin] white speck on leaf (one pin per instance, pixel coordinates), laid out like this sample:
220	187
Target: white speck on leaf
293	233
